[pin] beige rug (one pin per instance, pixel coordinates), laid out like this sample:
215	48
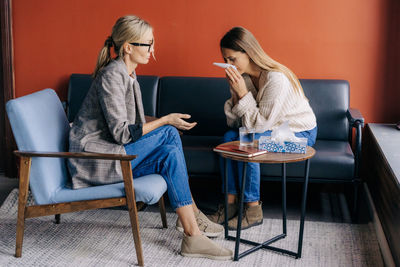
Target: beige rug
104	238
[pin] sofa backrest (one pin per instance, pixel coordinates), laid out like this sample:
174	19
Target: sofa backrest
79	85
204	98
329	100
201	97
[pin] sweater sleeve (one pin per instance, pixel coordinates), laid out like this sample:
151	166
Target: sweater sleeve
232	119
281	94
263	115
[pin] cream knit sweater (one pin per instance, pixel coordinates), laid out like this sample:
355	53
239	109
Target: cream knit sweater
276	101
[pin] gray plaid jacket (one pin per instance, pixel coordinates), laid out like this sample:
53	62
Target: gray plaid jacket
113	102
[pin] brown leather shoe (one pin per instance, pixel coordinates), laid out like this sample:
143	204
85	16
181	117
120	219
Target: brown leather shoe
219	216
252	216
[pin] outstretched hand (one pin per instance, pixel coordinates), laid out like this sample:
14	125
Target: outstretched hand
177	120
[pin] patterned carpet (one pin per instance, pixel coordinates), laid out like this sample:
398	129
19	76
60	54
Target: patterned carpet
104	238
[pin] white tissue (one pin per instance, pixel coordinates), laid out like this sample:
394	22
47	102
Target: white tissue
224	65
283	133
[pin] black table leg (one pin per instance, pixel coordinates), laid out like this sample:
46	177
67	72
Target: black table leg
303	208
266	244
284	198
226	197
240	215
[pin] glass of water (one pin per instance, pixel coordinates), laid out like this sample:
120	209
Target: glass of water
246	136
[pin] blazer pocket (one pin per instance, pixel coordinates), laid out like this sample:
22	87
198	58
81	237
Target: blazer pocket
99	147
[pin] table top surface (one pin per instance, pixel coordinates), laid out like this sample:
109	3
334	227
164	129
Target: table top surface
272	157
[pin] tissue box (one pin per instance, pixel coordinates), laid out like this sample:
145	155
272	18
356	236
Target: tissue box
266	143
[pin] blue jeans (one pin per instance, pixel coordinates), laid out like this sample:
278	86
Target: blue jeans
160	151
235	168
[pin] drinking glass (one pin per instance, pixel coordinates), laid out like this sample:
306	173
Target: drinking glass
246	136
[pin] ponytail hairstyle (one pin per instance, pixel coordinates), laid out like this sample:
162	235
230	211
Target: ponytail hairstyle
129	29
241	40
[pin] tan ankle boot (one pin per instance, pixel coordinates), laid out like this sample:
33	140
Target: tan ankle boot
206	227
201	246
219	216
252	216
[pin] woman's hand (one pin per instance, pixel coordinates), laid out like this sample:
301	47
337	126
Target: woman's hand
236	82
177	120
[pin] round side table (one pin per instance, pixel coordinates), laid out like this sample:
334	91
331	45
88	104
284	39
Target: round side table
268	158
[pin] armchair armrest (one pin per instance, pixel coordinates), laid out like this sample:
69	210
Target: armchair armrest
83	155
355	117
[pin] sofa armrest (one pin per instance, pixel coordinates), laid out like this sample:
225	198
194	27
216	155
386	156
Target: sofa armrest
83	155
356	121
355	117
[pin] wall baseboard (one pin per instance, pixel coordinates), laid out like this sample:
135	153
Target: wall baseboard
383	244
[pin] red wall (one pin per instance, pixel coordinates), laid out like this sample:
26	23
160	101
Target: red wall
317	39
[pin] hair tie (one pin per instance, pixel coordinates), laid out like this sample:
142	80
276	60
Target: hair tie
109	42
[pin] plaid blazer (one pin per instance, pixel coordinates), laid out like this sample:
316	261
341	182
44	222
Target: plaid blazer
113	102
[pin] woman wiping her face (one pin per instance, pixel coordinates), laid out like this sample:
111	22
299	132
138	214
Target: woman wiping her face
264	94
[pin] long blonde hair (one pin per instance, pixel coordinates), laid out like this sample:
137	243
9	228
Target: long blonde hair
240	39
130	29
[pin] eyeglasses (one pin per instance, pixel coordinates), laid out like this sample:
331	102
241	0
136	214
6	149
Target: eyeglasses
141	44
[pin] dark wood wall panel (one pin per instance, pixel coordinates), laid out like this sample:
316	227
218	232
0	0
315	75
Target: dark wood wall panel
8	87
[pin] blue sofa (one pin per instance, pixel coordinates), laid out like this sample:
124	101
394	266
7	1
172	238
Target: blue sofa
203	97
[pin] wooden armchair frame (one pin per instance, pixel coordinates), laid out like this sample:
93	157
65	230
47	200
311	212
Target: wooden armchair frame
56	209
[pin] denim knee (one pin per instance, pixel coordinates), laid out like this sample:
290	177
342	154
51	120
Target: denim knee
171	130
173	134
231	135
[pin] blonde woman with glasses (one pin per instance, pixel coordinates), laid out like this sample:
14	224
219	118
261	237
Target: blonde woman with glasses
264	94
112	120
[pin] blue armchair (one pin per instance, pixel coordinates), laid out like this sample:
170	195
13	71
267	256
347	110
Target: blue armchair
40	128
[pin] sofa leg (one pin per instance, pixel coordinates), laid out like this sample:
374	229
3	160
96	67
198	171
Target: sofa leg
354	216
58	218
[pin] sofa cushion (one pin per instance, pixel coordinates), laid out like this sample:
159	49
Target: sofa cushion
334	160
79	85
199	155
201	97
329	100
